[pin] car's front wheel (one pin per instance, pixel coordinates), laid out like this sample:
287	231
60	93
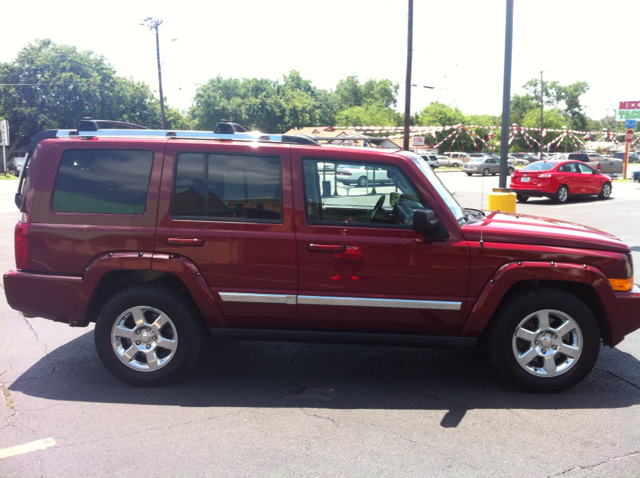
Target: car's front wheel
522	198
545	340
148	334
605	192
485	172
363	181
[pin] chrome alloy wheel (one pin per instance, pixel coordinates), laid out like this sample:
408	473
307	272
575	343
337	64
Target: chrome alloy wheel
547	343
144	338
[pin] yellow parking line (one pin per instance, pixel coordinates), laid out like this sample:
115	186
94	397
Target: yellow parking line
27	447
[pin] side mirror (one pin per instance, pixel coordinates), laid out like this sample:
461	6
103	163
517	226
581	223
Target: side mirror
425	222
597	171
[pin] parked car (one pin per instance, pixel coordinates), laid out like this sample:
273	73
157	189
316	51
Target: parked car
636	176
608	166
517	161
361	175
160	236
559	180
633	157
14	165
485	166
462	157
430	159
447	161
526	156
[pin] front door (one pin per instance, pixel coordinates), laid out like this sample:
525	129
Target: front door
361	265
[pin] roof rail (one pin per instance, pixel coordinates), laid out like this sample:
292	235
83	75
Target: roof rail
153	133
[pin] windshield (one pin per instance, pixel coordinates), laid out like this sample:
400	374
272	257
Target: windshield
539	166
441	189
477	160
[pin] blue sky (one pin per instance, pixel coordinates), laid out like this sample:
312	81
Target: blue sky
458	45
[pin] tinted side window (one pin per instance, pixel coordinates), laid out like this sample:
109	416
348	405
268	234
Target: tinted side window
228	186
103	181
358	194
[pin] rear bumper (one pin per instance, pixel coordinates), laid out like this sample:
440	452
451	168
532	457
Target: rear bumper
41	295
531	192
625	318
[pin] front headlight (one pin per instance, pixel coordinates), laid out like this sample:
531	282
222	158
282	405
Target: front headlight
628	265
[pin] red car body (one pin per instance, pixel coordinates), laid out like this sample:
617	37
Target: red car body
559	180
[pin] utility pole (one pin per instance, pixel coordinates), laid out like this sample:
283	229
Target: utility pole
153	24
541	115
407	95
506	96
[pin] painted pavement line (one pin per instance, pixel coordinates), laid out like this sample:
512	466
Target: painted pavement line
27	447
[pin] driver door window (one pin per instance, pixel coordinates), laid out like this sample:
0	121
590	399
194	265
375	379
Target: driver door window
358	194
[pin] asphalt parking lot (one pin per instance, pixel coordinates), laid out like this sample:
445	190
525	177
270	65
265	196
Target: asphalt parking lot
307	410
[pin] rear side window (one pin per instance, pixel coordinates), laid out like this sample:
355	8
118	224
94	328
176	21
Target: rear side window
228	186
103	181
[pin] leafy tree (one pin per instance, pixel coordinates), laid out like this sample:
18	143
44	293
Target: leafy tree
555	95
439	114
349	92
62	85
373	114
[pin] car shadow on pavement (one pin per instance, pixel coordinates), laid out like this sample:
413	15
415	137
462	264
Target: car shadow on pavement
294	375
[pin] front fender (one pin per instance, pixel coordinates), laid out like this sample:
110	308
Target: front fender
511	273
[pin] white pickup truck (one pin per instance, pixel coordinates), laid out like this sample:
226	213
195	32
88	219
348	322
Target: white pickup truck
607	165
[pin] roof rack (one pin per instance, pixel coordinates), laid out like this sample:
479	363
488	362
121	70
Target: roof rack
224	130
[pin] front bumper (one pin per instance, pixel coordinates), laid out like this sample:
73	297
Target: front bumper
625	318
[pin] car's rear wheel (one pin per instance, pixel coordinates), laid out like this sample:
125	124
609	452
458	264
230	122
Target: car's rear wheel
605	192
562	194
148	334
545	340
363	181
456	165
522	198
469	174
510	171
485	172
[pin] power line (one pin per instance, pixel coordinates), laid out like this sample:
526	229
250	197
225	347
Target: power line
46	84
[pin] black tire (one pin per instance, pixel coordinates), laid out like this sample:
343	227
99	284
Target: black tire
562	194
485	172
522	198
510	171
363	181
171	348
605	192
520	328
469	174
456	165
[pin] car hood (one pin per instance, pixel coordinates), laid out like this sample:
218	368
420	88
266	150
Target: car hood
522	229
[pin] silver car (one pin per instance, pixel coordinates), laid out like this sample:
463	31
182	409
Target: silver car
485	166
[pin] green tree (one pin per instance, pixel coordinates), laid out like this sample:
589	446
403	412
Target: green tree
349	92
373	114
62	85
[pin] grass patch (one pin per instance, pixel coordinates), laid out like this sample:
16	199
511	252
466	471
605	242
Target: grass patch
7	176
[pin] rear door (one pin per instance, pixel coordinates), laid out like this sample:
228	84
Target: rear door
362	267
227	207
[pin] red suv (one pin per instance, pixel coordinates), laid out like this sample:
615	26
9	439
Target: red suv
158	236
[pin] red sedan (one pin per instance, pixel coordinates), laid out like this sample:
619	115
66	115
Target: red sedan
558	180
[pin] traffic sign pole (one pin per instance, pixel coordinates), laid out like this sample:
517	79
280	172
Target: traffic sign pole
628	137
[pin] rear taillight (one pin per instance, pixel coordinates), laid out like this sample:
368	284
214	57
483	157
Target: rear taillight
22	242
